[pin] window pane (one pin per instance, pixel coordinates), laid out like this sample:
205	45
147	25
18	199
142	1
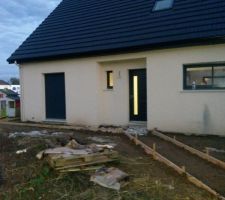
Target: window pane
109	79
163	4
219	77
3	104
135	81
11	104
201	76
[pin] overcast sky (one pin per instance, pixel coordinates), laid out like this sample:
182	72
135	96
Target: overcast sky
19	18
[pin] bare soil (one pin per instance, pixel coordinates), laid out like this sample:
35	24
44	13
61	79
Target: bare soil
26	178
209	173
201	142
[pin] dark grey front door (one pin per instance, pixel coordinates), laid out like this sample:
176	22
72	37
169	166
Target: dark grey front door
138	95
55	96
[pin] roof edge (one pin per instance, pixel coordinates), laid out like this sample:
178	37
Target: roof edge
134	49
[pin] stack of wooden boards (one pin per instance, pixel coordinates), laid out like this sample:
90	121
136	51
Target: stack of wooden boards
75	157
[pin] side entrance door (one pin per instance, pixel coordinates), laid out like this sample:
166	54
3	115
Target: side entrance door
138	95
11	111
55	96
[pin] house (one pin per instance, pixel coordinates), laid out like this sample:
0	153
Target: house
15	88
154	62
4	84
9	103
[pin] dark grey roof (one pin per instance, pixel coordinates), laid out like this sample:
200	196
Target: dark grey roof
3	82
91	27
10	94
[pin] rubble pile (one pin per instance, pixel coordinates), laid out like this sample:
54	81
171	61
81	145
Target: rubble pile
112	178
75	157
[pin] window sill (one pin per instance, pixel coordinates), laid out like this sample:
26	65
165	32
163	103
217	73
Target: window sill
201	91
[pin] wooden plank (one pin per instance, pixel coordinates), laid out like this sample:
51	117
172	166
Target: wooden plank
61	164
73	161
85	164
192	150
81	169
62	160
156	155
71	157
200	184
81	163
180	170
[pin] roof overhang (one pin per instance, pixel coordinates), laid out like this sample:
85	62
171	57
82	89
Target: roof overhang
131	49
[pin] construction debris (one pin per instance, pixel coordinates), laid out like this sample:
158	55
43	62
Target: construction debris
109	129
137	130
35	134
30	134
168	186
75	157
107	146
210	149
100	139
73	144
21	151
104	142
109	177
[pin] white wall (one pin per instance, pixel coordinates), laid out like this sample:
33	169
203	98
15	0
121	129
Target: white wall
81	82
114	104
169	107
4	87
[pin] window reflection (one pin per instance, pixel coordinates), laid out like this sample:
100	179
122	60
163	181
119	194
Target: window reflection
205	77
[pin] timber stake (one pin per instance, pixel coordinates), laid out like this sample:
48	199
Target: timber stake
180	170
192	150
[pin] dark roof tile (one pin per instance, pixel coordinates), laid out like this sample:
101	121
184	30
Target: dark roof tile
84	27
10	94
3	82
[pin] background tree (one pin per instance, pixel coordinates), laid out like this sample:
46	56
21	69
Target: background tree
14	81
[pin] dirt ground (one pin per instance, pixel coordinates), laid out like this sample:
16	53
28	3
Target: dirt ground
210	174
201	142
23	177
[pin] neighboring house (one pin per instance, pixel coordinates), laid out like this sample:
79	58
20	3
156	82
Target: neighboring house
15	88
9	103
96	62
4	85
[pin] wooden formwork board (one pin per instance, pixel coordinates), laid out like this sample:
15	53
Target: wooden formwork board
62	163
192	150
42	125
180	170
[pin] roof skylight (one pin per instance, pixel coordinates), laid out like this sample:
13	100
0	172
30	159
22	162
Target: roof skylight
163	5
